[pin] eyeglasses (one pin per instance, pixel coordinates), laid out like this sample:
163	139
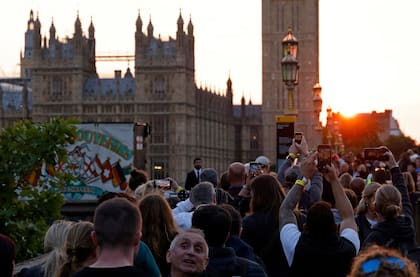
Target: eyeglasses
373	265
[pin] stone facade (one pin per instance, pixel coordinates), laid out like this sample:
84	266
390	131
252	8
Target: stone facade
187	121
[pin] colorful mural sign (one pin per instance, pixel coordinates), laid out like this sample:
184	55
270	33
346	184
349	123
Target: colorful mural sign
100	159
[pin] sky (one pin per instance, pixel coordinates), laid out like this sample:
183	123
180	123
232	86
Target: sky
369	49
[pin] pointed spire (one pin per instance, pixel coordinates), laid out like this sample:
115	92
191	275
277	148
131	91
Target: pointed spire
150	27
229	91
190	27
31	22
91	29
52	29
139	23
77	25
37	24
180	21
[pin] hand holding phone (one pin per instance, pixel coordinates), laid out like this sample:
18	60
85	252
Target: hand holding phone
254	169
163	184
375	153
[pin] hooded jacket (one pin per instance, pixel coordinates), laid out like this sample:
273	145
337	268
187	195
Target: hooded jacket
399	230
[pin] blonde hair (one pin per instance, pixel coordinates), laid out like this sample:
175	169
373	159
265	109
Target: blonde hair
79	247
367	193
388	201
54	242
144	189
409	181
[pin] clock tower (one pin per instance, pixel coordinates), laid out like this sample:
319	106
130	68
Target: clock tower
303	18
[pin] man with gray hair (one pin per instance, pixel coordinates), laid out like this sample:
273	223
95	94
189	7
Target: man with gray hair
201	194
210	175
188	254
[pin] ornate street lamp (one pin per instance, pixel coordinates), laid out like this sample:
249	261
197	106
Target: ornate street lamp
290	44
290	66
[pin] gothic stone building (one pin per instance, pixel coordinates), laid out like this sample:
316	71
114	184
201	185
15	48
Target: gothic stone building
59	79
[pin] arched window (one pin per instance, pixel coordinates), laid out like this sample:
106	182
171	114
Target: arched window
57	87
159	86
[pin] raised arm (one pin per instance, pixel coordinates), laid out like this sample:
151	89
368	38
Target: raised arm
398	182
286	216
342	203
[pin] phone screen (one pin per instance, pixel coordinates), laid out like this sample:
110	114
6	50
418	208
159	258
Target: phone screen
373	154
253	168
162	183
324	157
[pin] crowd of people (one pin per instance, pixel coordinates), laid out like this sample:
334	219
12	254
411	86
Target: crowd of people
354	218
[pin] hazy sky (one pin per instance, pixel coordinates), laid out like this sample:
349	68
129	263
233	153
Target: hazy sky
369	49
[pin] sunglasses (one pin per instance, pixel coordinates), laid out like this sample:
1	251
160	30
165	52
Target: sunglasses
373	265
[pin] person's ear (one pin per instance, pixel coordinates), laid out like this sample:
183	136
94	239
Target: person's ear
168	256
137	238
94	238
206	262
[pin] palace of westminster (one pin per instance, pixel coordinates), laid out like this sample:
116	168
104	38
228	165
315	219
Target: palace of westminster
59	79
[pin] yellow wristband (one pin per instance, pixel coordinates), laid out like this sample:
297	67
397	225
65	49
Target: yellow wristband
301	183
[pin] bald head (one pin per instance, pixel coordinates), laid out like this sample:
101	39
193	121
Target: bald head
236	173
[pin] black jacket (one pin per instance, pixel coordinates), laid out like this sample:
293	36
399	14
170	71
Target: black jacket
225	261
191	180
364	227
400	229
258	230
328	257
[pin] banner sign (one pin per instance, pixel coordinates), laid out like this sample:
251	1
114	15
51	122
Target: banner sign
101	160
285	132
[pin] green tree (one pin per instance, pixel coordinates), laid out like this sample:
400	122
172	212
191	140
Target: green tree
400	144
26	209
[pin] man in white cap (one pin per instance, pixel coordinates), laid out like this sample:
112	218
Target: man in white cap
264	163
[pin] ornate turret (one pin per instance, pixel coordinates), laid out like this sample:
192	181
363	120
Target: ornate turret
52	29
52	34
31	21
180	32
190	27
180	22
37	33
229	91
139	23
77	26
91	29
150	28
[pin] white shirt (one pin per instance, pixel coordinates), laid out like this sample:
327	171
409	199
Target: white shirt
184	220
290	234
182	214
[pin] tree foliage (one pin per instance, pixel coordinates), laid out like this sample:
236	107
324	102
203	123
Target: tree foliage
400	144
358	134
26	209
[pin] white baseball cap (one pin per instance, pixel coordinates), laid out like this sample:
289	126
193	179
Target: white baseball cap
262	160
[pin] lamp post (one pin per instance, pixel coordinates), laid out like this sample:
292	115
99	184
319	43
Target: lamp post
290	67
